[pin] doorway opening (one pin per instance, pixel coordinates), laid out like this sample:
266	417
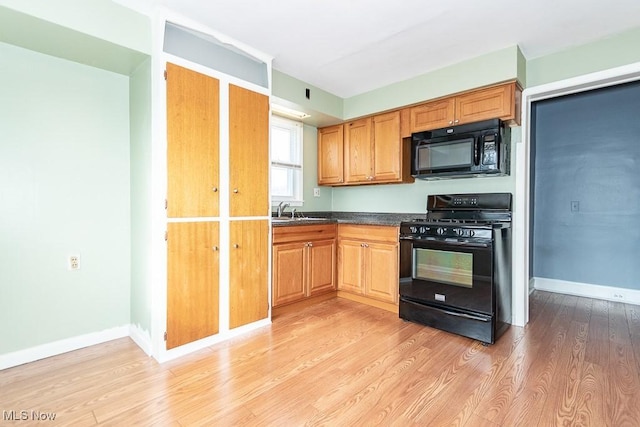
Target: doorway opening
522	202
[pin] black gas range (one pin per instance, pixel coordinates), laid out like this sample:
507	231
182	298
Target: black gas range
455	265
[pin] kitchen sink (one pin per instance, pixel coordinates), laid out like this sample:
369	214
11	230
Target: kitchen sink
296	219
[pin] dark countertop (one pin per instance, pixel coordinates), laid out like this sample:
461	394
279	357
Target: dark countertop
362	218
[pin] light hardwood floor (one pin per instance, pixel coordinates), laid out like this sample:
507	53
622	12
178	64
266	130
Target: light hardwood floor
339	363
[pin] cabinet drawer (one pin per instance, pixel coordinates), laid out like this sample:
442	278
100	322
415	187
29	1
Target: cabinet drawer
379	233
302	233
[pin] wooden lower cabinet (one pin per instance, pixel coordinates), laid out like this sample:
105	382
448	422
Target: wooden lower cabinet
192	281
368	261
303	262
248	271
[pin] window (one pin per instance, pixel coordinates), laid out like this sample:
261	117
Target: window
286	161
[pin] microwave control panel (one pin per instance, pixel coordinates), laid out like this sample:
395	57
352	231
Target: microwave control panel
489	152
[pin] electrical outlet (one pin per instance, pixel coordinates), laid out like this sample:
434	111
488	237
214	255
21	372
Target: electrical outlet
316	192
575	206
74	262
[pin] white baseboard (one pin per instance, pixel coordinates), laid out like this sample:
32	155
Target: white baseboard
138	335
32	354
167	355
625	295
142	338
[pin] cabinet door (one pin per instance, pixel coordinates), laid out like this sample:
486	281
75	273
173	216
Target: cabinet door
192	143
433	115
331	155
248	272
248	152
350	266
387	147
358	151
321	266
192	282
288	273
485	104
382	271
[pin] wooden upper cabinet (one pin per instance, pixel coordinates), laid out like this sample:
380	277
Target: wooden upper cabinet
377	149
500	101
405	123
387	147
485	104
358	151
373	151
248	152
433	115
331	155
193	133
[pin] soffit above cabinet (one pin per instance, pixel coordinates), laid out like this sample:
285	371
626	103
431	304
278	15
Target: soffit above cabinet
29	32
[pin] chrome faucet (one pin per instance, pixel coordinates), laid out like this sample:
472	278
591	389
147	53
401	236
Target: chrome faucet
281	208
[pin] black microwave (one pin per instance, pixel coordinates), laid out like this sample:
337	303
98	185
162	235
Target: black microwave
473	149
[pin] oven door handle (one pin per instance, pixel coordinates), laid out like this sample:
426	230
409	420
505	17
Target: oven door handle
452	313
447	242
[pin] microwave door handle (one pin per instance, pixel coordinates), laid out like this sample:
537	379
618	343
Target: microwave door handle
476	151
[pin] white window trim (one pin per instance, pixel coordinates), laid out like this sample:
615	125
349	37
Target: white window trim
298	126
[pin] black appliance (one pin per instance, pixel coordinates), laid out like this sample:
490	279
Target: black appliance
455	265
474	149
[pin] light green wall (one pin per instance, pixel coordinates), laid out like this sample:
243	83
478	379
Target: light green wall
140	113
505	64
46	35
310	171
325	109
603	54
490	68
483	70
64	189
102	19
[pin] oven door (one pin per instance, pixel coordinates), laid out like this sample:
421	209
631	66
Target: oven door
445	272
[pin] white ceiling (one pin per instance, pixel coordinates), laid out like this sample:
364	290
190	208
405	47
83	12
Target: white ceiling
348	47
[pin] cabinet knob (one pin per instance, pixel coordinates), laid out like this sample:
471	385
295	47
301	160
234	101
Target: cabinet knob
236	246
456	121
214	189
215	248
235	190
450	122
310	244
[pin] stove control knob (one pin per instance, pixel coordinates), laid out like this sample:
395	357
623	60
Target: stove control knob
423	230
440	230
458	231
471	233
413	229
